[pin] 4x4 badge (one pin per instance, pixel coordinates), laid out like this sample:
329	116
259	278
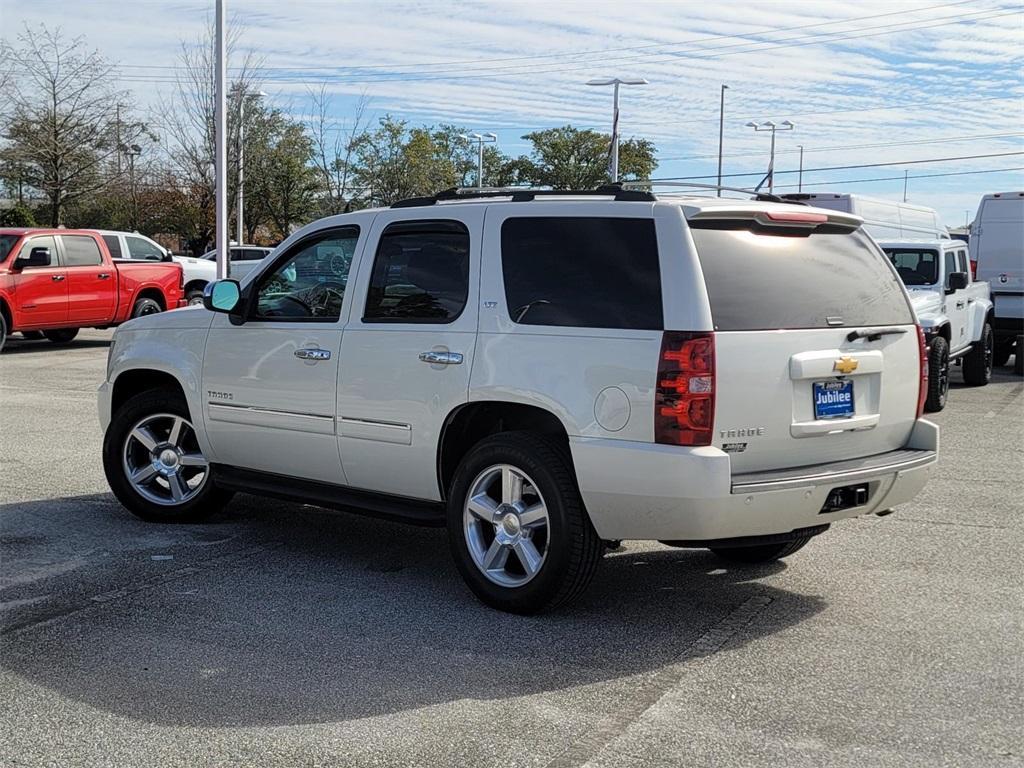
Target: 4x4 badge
845	365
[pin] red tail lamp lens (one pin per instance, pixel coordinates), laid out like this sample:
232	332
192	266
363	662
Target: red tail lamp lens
684	404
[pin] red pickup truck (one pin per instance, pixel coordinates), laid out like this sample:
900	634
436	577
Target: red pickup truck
55	281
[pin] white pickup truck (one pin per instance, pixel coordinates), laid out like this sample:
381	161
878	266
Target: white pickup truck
954	311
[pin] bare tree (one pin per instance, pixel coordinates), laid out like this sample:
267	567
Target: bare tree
334	148
188	119
60	111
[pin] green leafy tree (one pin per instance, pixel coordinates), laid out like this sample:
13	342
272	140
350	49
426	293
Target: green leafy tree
570	158
281	181
18	215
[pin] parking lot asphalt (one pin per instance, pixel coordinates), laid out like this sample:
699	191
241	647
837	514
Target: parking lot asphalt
281	635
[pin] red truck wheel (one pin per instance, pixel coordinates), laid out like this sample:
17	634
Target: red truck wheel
61	335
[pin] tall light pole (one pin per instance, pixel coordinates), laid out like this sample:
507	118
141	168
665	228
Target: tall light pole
906	175
480	139
613	166
721	133
768	125
132	152
221	145
242	96
800	178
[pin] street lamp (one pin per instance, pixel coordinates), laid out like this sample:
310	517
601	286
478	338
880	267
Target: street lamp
480	139
131	152
616	81
721	132
241	148
800	178
768	125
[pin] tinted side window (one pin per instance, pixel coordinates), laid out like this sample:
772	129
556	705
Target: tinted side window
915	267
143	249
582	272
40	242
961	261
420	273
113	245
948	267
81	251
309	283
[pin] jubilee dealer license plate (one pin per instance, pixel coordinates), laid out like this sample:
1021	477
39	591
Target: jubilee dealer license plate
833	399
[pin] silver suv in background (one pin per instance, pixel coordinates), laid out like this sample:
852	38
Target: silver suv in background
243	259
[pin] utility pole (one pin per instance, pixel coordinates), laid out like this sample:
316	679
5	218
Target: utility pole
117	135
721	133
613	153
221	148
133	151
480	139
800	178
905	177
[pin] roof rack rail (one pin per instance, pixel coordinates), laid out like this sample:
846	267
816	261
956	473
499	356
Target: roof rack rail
525	194
762	196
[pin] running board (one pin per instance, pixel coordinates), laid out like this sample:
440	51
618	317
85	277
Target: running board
381	505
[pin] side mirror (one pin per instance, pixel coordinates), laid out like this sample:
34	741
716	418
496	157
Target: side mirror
957	281
37	257
222	296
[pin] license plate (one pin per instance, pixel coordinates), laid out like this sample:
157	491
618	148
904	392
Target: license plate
833	399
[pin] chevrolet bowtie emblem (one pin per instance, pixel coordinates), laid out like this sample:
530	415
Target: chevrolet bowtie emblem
845	365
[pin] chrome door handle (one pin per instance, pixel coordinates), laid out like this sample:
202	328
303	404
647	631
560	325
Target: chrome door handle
103	275
313	354
56	278
441	358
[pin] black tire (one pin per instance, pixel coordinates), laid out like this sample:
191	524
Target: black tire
32	335
61	335
572	546
209	500
194	298
1018	357
977	365
938	375
146	306
3	331
764	553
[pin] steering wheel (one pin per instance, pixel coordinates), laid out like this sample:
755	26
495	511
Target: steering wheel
324	294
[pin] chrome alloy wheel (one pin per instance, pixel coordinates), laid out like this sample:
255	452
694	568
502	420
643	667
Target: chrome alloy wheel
505	521
162	460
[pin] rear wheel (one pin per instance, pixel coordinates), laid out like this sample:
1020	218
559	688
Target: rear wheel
194	298
32	335
3	330
978	362
938	375
61	335
1018	357
764	553
154	464
516	524
1001	353
146	306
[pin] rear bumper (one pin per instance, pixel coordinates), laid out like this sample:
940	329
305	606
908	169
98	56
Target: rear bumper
647	491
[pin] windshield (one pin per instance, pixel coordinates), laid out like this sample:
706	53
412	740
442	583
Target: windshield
6	243
915	266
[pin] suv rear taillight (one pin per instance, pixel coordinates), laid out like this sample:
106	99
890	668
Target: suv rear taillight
684	403
974	270
922	392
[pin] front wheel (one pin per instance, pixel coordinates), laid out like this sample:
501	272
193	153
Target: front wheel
516	525
146	306
763	553
938	375
194	298
978	362
61	335
154	464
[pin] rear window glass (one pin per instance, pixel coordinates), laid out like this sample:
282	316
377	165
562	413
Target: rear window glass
915	267
81	251
582	272
769	282
113	245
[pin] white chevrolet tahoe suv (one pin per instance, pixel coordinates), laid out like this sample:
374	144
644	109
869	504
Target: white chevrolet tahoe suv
543	374
953	310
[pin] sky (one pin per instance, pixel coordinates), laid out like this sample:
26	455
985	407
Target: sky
897	83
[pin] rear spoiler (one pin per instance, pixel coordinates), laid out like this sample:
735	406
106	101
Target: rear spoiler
802	220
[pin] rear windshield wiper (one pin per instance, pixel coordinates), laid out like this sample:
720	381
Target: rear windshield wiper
873	334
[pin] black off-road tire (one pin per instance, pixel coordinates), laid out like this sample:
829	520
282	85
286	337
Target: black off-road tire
1018	357
146	306
764	553
938	375
194	298
977	365
1001	353
61	335
207	502
573	548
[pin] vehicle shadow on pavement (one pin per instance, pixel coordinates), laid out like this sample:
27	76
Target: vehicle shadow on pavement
18	346
277	614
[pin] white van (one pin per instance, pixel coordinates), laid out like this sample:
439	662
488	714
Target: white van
997	256
883	219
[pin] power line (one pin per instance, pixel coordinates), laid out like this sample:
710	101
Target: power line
899	178
944	140
845	167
